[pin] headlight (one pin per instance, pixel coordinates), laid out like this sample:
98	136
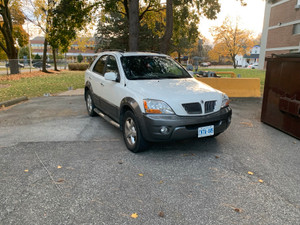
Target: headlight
225	101
157	107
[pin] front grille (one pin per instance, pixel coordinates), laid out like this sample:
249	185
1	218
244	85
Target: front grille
209	106
192	108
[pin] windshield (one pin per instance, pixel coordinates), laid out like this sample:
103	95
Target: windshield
152	67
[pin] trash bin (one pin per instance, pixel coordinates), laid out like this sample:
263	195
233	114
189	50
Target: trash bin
281	99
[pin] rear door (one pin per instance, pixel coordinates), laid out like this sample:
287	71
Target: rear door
97	79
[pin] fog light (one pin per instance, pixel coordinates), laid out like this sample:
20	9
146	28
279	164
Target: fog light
164	130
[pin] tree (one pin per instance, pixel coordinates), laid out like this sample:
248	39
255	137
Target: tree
133	25
12	33
69	17
79	58
60	21
230	40
134	13
185	32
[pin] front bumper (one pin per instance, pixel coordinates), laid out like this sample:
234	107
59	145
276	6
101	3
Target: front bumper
182	127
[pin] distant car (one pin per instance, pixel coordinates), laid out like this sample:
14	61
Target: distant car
20	65
39	64
253	66
205	64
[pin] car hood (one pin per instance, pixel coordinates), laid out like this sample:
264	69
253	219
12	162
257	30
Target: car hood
176	92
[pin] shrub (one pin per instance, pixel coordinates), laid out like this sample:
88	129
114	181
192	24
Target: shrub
79	58
78	66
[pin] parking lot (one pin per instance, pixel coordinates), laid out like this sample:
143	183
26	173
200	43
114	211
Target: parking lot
60	166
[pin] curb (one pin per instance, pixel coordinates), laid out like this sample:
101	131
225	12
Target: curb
13	101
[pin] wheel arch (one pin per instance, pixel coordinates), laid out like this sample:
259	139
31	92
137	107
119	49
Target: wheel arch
129	103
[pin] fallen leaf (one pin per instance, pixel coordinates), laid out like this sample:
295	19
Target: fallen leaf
120	162
238	210
26	171
260	181
161	214
141	175
161	182
58	167
250	173
60	180
247	124
134	215
217	156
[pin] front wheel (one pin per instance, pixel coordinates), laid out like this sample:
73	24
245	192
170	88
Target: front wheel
131	133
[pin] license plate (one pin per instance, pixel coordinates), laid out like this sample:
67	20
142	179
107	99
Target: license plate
205	131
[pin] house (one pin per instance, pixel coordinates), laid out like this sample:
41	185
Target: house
251	58
84	47
281	31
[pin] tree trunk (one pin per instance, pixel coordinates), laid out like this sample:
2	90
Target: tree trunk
179	57
165	42
233	60
133	25
13	61
54	59
44	69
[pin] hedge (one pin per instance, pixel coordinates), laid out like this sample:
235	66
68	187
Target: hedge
78	66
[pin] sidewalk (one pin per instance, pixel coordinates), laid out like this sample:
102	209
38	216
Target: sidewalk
79	91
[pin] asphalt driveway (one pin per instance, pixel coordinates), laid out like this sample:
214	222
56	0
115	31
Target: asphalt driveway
60	166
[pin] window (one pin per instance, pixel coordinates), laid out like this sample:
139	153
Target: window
99	67
152	67
296	28
112	66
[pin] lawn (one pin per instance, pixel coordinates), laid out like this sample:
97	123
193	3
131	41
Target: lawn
37	84
245	73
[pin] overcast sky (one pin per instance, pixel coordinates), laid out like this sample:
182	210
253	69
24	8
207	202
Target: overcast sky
251	17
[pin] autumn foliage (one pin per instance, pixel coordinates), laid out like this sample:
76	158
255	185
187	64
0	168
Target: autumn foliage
229	41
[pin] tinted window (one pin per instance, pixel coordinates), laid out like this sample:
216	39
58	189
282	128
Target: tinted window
99	67
152	67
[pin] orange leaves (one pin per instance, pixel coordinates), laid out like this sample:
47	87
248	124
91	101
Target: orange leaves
230	40
134	215
25	75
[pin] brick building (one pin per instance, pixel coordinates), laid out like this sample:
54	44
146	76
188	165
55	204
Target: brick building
281	32
37	46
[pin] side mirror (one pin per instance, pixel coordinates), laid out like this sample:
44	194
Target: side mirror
110	76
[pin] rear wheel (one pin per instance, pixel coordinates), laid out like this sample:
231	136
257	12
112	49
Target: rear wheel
89	104
131	133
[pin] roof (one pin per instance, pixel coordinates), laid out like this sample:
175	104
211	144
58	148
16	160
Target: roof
132	53
252	56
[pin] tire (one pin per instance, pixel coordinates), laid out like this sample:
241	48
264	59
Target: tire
132	135
89	104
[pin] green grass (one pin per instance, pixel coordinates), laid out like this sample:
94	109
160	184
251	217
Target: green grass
37	86
245	73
